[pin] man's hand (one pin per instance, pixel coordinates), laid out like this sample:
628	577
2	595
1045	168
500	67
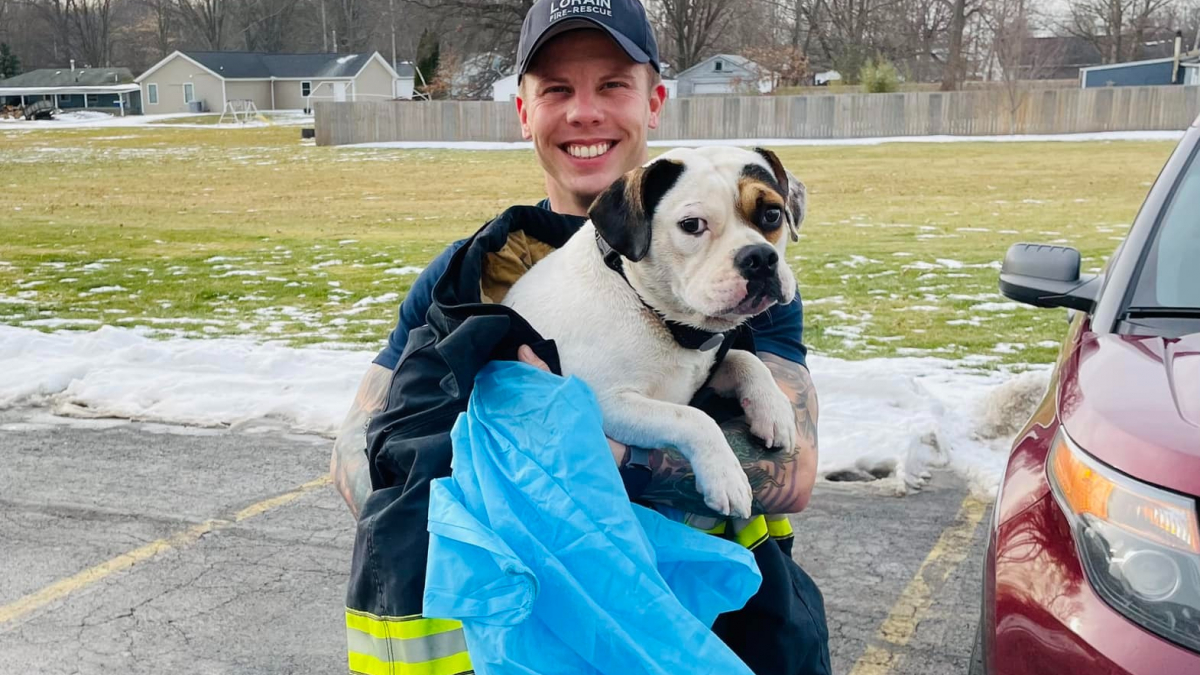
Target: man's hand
782	480
348	462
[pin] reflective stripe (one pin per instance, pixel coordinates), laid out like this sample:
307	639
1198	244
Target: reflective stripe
459	664
752	533
779	527
410	645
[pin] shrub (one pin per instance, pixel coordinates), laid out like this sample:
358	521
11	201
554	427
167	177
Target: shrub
879	77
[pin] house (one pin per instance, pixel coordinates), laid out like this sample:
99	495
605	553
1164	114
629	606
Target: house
107	89
195	81
505	88
724	74
1142	73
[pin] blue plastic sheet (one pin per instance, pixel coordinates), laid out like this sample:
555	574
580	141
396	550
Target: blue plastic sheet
536	549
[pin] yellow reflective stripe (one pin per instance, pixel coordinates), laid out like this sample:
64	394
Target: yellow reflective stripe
410	645
456	664
779	527
719	529
753	533
398	627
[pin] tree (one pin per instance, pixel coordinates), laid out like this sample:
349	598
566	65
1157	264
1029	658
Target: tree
10	65
204	19
782	65
1117	28
691	27
955	70
428	55
92	20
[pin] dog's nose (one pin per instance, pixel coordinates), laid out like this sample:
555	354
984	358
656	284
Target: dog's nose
756	261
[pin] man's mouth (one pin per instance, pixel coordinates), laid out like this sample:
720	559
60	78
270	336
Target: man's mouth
588	150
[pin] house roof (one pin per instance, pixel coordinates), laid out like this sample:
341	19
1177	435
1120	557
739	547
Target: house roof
64	77
255	65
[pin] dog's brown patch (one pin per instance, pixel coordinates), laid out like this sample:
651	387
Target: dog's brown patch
754	196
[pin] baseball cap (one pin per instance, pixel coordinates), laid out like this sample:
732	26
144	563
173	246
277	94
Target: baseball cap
624	20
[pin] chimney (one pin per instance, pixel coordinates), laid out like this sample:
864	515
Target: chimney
1178	48
72	66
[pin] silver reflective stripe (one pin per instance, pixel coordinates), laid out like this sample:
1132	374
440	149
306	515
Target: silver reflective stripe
411	650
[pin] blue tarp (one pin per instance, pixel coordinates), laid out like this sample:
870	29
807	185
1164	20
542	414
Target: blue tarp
536	549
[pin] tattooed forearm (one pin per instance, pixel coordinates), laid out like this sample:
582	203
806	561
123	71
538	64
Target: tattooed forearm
782	481
348	462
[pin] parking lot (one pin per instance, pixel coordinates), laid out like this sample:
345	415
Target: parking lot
139	548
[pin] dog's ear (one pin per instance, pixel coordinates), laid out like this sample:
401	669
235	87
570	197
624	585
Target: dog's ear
623	212
795	195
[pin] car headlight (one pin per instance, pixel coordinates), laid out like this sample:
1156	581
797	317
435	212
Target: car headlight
1140	545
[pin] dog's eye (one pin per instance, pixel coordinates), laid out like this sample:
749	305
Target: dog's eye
772	217
693	225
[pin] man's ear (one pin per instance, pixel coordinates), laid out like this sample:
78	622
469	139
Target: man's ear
623	212
523	116
795	195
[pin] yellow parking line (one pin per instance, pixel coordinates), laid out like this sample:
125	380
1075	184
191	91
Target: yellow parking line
60	589
910	609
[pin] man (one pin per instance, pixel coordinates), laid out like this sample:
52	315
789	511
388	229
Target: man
589	93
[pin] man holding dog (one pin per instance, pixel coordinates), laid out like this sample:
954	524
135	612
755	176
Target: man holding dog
589	93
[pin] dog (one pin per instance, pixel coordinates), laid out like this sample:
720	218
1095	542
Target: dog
675	254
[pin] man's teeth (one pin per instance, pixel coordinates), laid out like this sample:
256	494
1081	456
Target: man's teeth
588	151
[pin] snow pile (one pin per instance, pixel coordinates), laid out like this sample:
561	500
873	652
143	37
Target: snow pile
895	417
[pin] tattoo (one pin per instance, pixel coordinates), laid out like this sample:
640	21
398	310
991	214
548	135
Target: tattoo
781	480
348	462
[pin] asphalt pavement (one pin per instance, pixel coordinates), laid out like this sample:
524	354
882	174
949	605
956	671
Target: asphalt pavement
143	548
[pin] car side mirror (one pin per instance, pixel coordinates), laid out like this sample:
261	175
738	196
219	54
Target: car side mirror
1047	276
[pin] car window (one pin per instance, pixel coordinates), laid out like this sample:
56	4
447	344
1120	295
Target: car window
1170	277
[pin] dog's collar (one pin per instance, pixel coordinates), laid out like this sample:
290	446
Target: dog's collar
685	336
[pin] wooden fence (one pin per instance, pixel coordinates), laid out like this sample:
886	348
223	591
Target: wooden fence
963	113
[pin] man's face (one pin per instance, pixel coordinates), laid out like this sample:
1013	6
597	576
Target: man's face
587	107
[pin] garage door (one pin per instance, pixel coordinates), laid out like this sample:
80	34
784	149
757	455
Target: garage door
710	88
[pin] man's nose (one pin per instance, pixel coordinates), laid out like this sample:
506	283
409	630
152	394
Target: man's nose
585	109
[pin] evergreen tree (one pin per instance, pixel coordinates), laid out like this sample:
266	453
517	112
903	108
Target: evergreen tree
10	65
428	55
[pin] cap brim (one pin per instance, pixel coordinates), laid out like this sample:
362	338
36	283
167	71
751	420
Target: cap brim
633	51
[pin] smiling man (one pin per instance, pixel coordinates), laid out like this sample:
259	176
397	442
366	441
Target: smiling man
590	92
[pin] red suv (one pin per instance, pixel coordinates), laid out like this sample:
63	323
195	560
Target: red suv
1093	558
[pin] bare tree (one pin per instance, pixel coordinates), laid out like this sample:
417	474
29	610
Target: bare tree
204	19
691	27
92	20
1117	28
955	71
56	14
266	23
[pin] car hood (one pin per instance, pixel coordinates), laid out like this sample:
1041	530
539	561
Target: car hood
1134	403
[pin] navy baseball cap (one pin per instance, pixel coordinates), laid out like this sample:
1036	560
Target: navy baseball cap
624	20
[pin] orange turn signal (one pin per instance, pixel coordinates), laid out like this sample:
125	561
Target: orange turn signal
1089	488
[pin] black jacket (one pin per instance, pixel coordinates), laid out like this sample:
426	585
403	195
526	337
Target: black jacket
409	446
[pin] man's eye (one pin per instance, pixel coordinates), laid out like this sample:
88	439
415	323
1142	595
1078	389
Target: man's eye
772	217
693	225
555	90
614	84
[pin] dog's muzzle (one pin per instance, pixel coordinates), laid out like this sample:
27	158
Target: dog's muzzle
759	265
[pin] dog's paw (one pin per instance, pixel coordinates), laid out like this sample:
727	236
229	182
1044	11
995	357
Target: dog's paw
724	484
771	416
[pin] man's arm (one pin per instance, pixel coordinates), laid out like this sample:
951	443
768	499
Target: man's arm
782	480
348	463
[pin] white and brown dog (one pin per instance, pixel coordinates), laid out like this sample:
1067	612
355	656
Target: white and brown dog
675	254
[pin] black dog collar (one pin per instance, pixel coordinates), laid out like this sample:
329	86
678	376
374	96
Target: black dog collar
685	336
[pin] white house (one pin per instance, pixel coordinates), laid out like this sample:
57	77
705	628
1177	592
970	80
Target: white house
204	81
724	74
827	77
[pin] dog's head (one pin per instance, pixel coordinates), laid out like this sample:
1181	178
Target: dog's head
703	232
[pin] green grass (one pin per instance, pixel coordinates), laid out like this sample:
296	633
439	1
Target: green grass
195	232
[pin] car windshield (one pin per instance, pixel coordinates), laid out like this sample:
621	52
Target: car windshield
1170	277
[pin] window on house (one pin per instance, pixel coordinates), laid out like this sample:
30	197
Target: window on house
305	89
189	92
152	94
717	66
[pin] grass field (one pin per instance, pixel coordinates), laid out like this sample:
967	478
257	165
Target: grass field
198	232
